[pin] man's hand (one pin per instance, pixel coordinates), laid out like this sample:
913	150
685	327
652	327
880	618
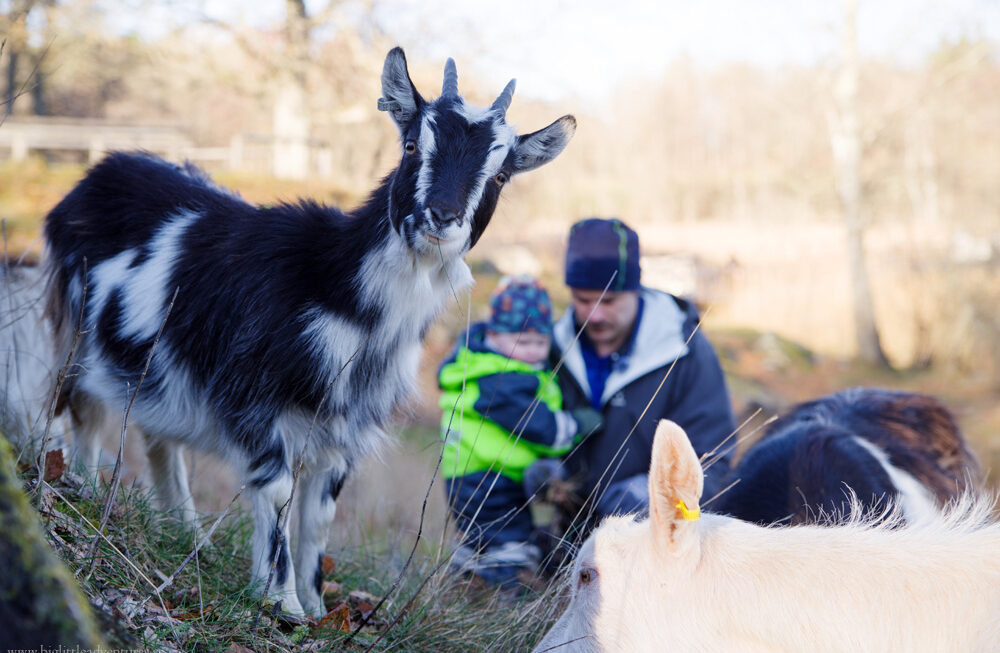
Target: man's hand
588	422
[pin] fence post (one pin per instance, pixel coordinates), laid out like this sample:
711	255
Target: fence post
96	149
236	152
18	144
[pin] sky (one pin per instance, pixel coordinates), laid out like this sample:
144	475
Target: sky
584	46
557	48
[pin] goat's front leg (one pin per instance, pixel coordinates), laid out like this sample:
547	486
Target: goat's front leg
316	507
271	483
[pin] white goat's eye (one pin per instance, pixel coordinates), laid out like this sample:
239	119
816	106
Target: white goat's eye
587	575
501	178
410	147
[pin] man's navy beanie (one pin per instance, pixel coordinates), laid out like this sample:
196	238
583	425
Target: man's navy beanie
602	251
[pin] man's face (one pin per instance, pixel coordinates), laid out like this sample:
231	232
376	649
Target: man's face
609	318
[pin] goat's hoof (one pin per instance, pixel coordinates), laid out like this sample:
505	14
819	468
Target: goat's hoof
314	610
285	607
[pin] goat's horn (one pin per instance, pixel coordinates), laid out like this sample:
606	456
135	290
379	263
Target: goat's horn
450	86
506	95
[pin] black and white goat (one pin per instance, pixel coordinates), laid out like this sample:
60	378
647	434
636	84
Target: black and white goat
296	329
861	448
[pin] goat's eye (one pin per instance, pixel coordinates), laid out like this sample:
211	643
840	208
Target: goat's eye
587	576
410	147
501	178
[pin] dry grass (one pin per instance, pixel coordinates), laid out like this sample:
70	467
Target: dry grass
209	607
153	589
788	279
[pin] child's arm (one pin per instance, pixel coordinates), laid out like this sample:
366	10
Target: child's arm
510	401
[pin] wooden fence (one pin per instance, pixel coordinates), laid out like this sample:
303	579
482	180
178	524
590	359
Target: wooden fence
22	136
89	139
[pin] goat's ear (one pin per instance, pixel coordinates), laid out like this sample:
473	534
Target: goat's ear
399	96
675	485
540	147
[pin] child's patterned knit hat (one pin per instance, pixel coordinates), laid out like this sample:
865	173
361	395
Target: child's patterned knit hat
520	304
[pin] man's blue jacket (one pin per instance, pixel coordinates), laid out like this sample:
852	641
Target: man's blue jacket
693	395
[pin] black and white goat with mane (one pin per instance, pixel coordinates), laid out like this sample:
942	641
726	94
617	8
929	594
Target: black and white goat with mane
296	329
861	447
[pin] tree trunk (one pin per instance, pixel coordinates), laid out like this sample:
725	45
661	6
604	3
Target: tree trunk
10	92
846	142
40	604
39	86
291	113
291	129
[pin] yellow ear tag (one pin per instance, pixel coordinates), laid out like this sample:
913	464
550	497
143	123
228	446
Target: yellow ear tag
687	514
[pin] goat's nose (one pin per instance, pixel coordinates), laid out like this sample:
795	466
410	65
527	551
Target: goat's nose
442	213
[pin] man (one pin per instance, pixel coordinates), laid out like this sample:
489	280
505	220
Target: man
639	359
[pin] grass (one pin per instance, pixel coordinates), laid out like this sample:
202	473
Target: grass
28	189
210	607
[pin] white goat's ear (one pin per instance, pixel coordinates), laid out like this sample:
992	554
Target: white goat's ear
675	485
538	148
399	96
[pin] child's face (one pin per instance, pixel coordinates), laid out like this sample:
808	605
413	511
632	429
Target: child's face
527	346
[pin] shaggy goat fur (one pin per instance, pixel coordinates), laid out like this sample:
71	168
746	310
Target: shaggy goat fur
294	331
868	445
680	582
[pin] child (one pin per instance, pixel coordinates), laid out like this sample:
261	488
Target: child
502	412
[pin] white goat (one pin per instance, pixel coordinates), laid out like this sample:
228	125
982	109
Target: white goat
27	358
681	581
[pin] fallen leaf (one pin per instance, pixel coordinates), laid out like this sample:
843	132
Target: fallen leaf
338	618
238	648
365	609
187	616
195	613
329	564
54	465
330	588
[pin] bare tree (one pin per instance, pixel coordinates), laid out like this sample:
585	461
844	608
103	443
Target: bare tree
291	110
845	137
20	53
290	71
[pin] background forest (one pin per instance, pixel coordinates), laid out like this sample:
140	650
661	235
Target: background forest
830	196
847	200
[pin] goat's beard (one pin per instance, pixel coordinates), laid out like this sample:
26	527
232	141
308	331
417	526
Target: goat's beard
425	242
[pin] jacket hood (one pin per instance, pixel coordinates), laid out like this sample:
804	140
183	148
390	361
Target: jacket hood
659	340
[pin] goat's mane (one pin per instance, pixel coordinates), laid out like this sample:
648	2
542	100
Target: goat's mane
969	512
